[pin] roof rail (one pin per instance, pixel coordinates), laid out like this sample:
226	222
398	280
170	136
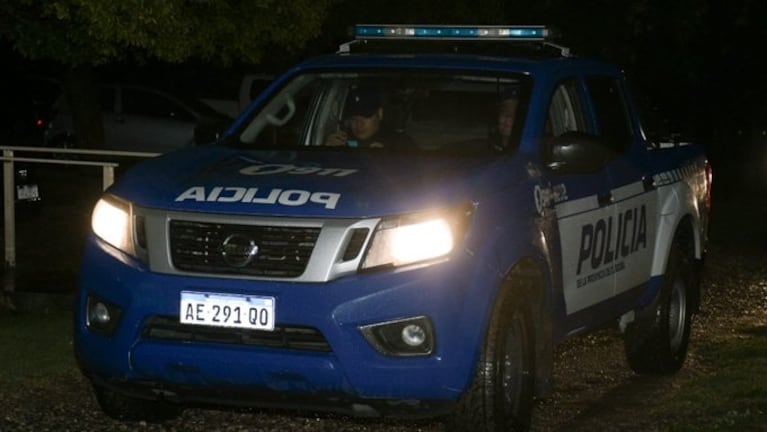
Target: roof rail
522	33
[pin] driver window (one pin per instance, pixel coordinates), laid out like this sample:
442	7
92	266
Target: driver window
565	113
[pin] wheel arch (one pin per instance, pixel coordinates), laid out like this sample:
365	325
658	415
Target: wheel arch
527	279
685	236
685	231
678	211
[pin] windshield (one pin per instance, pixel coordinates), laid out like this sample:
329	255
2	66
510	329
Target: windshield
393	110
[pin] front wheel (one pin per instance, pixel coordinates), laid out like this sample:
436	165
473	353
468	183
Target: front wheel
125	408
500	397
656	342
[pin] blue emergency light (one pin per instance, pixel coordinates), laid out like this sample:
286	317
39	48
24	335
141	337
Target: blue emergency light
522	33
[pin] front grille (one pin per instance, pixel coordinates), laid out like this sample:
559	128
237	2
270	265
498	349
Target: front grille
283	251
286	337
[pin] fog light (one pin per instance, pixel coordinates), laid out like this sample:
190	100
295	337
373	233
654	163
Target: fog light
413	335
101	316
406	337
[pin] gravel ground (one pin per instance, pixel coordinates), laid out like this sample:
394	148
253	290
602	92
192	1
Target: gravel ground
594	388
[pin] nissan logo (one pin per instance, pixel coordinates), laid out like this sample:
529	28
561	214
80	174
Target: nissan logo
238	250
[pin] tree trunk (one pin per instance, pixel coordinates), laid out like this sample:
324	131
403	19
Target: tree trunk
83	98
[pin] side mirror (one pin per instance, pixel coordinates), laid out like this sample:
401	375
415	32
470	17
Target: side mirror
578	153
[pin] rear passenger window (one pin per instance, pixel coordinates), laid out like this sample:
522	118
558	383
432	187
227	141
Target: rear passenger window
611	112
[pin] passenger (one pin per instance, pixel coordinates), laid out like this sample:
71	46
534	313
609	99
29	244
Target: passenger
361	124
507	111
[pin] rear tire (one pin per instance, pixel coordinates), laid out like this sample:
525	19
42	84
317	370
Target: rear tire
500	397
656	342
126	408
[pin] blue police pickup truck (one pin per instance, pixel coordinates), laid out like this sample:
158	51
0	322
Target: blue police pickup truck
408	226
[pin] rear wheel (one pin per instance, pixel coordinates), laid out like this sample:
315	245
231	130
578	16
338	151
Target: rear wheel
656	342
500	397
126	408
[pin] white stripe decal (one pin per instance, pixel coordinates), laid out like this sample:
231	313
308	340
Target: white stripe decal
628	191
573	207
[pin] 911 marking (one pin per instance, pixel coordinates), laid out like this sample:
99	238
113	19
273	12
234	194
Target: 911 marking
269	169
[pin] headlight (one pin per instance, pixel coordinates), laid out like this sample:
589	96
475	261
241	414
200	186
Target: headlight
410	239
112	220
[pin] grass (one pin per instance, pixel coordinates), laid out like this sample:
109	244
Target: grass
733	397
35	348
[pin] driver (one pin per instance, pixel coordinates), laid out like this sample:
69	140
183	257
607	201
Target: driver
361	124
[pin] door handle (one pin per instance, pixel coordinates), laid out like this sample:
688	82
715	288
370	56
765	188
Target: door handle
605	200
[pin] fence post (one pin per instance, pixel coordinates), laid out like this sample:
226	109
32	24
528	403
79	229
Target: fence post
9	217
107	176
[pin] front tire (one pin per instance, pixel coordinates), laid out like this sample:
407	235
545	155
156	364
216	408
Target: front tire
656	342
126	408
500	397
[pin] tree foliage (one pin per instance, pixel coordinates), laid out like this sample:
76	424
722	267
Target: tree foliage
95	32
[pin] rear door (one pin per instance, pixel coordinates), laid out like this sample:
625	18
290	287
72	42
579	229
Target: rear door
633	228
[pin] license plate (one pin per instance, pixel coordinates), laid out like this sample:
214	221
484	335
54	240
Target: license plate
225	310
27	192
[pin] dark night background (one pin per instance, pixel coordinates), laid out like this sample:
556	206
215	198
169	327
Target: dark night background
693	64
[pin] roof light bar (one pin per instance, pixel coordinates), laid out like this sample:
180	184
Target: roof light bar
506	33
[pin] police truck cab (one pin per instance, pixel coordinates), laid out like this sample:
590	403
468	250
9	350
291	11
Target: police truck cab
508	201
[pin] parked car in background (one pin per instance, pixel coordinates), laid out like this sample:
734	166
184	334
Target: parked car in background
27	109
250	86
142	118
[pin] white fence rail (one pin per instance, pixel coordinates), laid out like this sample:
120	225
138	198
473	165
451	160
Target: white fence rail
55	156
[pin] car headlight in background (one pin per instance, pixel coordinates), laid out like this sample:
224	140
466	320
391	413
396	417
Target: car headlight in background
415	238
113	221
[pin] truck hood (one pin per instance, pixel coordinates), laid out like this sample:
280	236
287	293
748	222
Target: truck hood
303	183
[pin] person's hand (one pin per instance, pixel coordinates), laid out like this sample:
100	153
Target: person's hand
336	139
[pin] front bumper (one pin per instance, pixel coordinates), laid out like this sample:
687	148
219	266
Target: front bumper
350	373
